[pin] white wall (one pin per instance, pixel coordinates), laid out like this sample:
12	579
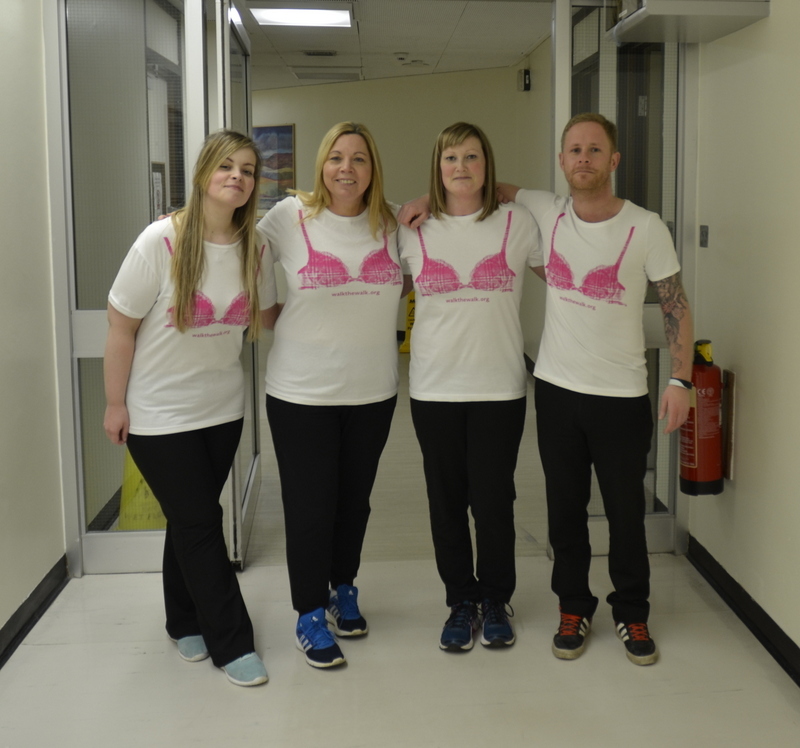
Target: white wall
31	523
406	114
747	300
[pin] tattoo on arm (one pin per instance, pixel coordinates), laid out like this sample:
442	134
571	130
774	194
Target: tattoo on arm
675	308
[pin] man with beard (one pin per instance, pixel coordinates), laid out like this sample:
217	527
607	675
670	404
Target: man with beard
599	254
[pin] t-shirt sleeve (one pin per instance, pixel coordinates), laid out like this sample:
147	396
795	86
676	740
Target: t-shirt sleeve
267	290
138	282
404	238
537	204
276	222
662	260
531	229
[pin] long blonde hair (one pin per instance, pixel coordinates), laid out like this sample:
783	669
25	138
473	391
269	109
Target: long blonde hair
449	137
381	217
188	259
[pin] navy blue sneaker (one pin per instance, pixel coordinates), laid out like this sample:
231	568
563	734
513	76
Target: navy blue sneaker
497	629
460	627
316	641
343	612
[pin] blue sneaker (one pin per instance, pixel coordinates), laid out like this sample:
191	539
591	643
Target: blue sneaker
247	670
191	648
497	629
343	612
315	639
459	627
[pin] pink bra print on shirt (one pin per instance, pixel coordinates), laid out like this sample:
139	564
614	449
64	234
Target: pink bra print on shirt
601	284
326	270
237	313
492	273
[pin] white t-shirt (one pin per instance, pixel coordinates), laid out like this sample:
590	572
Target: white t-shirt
467	344
336	337
190	380
597	276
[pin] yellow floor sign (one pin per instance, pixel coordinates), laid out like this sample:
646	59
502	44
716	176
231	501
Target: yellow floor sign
138	508
405	346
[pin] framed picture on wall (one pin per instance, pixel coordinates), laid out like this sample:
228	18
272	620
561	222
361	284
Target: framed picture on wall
276	143
158	189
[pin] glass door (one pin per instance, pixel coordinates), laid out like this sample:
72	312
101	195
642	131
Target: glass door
138	74
230	72
125	76
636	86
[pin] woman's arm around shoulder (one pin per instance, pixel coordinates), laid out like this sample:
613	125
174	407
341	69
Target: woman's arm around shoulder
270	316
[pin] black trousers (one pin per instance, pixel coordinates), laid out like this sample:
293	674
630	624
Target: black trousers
469	452
575	432
327	460
186	472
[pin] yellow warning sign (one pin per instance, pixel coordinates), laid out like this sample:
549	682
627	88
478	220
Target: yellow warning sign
138	508
405	346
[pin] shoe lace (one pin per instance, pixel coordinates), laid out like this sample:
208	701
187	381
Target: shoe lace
638	632
462	615
496	612
570	625
318	633
347	603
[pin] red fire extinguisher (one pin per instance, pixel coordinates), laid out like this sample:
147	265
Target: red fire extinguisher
701	435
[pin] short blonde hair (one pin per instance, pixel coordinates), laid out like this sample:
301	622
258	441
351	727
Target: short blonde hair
381	216
606	124
449	137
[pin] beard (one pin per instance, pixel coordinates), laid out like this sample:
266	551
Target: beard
589	181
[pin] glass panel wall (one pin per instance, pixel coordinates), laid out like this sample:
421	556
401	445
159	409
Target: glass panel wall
636	86
124	61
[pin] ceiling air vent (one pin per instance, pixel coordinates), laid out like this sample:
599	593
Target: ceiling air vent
326	73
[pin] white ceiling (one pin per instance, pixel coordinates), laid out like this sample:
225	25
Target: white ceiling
391	38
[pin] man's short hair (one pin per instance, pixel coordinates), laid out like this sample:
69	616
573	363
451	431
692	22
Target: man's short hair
606	124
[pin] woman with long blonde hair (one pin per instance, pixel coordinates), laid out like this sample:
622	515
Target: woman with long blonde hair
188	290
332	378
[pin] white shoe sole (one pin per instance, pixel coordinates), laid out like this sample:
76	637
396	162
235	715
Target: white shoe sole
333	663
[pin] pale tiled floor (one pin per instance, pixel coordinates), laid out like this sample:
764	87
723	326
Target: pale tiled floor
98	670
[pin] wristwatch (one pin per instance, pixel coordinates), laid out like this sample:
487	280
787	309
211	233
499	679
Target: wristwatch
680	383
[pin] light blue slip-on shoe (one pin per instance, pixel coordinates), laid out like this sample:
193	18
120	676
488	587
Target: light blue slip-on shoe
248	670
191	648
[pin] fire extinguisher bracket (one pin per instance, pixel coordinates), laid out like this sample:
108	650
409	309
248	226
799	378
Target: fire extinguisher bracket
728	420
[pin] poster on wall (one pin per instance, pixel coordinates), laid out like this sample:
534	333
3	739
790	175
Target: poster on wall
158	189
276	143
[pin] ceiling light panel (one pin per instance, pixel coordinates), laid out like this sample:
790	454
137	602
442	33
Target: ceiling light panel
340	19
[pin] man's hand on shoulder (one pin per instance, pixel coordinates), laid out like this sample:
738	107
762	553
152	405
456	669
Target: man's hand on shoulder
507	193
